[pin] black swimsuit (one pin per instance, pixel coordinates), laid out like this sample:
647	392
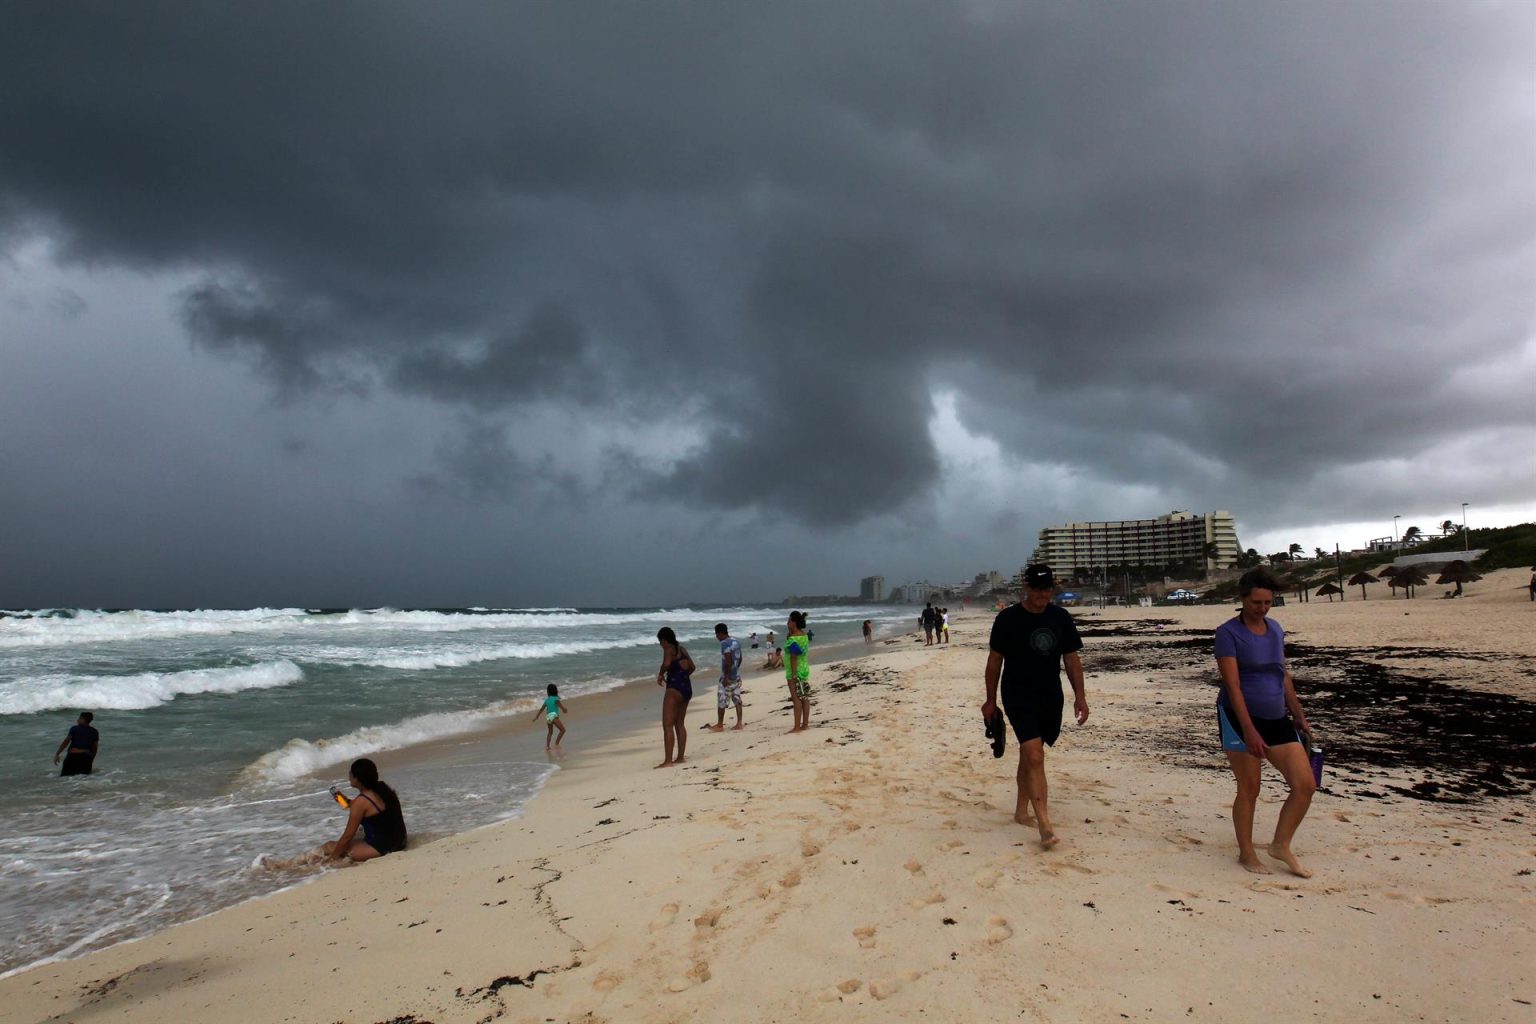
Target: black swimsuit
384	831
677	677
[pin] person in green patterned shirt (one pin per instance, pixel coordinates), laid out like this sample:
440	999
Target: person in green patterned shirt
797	670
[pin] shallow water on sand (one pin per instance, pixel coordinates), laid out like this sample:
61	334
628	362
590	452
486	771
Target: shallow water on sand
220	731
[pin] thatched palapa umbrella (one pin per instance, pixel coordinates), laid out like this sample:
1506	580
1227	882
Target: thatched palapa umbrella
1361	579
1409	577
1458	572
1328	590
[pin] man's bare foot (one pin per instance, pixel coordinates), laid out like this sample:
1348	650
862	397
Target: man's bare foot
664	764
1255	865
713	728
680	760
1048	840
1024	818
738	725
1283	853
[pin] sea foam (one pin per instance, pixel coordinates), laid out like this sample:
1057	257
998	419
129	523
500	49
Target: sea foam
298	757
135	692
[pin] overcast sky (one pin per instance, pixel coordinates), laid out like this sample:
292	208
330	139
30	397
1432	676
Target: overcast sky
629	303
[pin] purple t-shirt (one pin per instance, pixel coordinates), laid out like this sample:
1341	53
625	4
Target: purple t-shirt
1260	665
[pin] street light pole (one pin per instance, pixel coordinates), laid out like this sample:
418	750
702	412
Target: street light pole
1394	529
1466	541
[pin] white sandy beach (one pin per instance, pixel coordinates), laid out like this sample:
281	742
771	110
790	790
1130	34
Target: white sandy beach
870	870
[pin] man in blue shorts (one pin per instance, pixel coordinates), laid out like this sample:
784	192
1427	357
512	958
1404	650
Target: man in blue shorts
729	690
1031	641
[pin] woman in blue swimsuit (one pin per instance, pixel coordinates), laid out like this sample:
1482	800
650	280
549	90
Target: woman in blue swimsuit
376	811
676	668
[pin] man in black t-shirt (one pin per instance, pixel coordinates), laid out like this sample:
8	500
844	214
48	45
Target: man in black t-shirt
81	743
927	621
1030	643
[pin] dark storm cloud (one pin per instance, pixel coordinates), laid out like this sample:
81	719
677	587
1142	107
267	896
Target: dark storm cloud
1249	232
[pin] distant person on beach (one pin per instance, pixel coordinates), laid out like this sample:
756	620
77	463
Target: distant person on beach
944	623
797	670
376	810
79	747
1256	693
676	675
927	621
728	691
775	658
1030	643
1531	586
753	638
552	708
869	632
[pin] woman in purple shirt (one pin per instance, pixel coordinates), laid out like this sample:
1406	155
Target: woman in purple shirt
1256	693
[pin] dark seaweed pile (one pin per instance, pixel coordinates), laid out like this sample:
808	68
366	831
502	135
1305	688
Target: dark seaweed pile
1416	734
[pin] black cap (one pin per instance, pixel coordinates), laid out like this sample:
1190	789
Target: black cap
1039	577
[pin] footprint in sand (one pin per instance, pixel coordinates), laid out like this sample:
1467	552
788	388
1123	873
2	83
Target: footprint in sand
987	879
850	986
664	918
928	901
998	930
607	982
1179	839
865	936
913	866
709	918
808	848
791	880
698	974
951	844
884	988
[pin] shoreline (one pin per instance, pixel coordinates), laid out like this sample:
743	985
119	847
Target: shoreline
867	871
605	716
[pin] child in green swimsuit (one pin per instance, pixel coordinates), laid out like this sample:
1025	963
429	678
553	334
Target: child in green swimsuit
552	708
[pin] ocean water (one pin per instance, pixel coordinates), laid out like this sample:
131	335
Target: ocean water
221	730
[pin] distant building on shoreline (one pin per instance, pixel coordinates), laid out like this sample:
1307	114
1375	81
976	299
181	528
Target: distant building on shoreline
1178	538
872	588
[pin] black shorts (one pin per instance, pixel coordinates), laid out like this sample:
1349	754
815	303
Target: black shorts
77	764
1275	732
1033	718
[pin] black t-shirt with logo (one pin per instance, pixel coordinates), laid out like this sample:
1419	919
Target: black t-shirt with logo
1032	645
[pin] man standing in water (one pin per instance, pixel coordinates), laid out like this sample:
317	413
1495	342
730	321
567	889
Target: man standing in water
81	743
1030	642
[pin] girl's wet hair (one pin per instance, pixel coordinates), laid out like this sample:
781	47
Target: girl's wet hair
367	775
798	618
666	636
554	690
1256	579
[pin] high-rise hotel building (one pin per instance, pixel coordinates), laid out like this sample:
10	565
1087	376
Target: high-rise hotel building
1167	540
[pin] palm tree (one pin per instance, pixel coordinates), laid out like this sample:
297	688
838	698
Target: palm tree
1321	554
1208	555
1411	533
1293	551
1250	558
1447	527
